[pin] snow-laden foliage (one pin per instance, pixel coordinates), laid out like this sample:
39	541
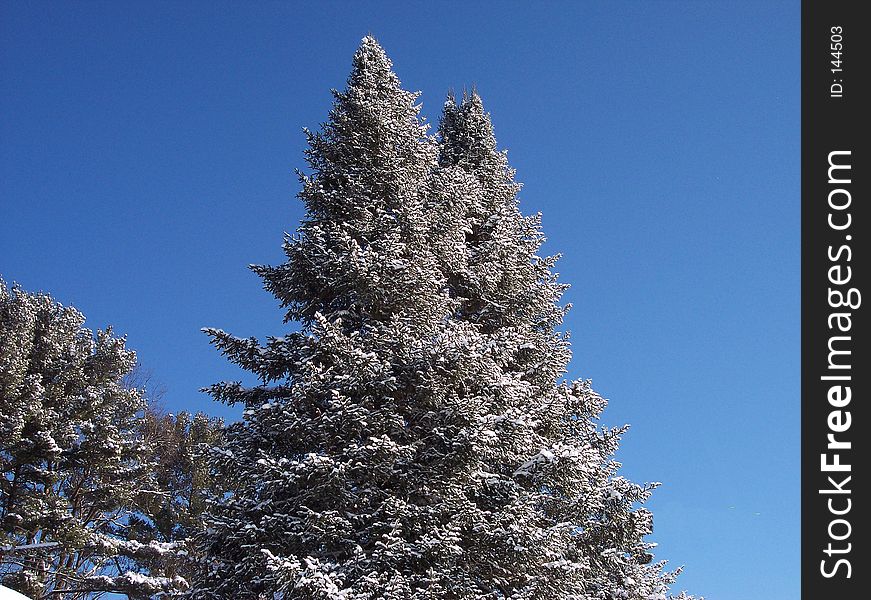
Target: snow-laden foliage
74	463
415	439
511	295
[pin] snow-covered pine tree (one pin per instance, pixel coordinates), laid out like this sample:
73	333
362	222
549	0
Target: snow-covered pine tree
587	530
324	491
71	453
413	440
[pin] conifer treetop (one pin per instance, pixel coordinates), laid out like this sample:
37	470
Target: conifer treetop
369	163
371	65
467	136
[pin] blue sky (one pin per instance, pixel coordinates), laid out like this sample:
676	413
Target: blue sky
147	154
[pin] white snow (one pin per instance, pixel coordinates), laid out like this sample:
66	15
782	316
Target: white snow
7	594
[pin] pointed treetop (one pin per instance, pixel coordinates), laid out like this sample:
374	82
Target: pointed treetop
451	100
467	132
371	64
473	101
448	122
475	115
370	49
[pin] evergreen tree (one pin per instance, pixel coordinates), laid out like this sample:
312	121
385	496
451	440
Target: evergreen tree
413	439
321	464
73	459
511	295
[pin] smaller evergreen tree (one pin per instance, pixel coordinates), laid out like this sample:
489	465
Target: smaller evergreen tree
74	462
586	532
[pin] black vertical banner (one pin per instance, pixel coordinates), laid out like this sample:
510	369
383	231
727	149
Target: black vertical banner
835	366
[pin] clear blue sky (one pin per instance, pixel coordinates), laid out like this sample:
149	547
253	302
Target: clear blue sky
147	153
